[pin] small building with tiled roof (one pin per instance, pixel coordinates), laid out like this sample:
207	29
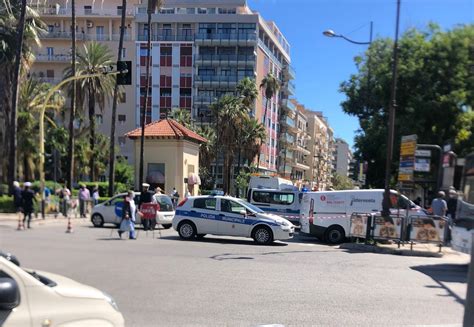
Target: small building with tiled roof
171	154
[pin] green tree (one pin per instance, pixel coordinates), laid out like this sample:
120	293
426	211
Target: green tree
229	112
247	91
206	156
182	116
435	94
20	30
340	182
251	133
124	172
93	90
270	85
31	99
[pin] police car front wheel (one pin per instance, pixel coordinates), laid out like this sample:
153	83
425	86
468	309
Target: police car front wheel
262	235
187	230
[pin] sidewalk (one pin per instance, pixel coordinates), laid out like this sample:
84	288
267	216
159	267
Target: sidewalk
419	250
12	219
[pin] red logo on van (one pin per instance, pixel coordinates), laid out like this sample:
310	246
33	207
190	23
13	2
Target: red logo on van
323	198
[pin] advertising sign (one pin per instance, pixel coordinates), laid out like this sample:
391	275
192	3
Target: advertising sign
422	164
149	210
423	153
387	228
407	158
358	225
427	229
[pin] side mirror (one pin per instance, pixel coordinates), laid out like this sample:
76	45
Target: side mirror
9	293
243	212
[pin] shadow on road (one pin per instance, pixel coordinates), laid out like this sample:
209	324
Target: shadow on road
232	256
445	273
220	241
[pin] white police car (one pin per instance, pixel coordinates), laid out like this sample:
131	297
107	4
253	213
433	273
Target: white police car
197	216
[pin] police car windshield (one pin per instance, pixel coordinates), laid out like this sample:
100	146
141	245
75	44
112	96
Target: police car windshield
251	206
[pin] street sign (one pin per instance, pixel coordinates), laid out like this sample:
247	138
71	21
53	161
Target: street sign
407	158
423	153
422	164
405	177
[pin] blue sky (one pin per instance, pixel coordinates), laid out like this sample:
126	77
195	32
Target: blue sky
321	63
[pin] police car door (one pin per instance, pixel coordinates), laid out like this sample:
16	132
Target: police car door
204	215
231	220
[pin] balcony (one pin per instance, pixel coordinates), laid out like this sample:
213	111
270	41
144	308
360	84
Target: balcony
288	88
66	58
167	37
300	165
225	38
288	104
237	60
289	72
84	12
303	150
50	80
57	35
219	79
204	99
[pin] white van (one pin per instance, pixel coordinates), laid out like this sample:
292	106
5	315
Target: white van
284	203
331	211
270	182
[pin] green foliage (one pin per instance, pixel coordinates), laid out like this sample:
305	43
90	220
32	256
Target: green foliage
104	198
242	181
182	116
340	182
435	94
6	204
124	173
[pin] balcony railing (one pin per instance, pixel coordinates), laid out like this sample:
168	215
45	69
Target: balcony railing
290	122
203	99
59	11
287	103
53	57
291	71
57	35
224	57
220	78
167	37
227	36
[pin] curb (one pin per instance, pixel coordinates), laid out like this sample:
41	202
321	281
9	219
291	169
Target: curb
385	250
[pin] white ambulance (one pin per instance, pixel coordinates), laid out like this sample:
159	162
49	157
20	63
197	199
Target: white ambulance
275	195
326	214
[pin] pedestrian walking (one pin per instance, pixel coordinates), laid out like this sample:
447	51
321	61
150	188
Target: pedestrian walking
128	216
28	201
452	204
439	205
146	196
64	197
17	200
84	198
174	197
95	195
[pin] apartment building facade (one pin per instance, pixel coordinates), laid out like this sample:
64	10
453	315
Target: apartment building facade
200	50
342	157
320	145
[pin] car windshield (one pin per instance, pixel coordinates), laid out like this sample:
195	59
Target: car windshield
165	203
251	207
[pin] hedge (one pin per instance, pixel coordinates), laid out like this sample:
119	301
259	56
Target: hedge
6	204
103	187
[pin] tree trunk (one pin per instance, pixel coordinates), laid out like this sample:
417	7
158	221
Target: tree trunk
264	125
70	154
92	133
114	106
12	160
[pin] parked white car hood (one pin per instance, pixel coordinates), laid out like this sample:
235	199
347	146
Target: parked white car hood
70	288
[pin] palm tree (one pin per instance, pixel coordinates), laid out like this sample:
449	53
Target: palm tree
152	6
247	90
271	85
31	99
229	112
182	116
206	155
252	132
96	90
114	105
20	27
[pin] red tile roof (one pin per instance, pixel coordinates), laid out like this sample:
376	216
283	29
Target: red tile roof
166	129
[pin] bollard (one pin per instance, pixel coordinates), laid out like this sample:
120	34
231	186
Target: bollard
69	225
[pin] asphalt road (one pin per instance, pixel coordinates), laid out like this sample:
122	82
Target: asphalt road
164	281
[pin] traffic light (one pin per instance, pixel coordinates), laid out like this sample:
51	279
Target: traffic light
124	78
